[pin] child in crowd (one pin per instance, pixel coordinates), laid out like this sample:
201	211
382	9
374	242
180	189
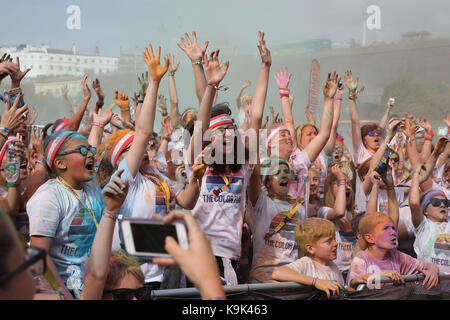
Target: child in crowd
381	256
316	241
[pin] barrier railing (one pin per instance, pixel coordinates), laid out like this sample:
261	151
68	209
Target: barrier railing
193	293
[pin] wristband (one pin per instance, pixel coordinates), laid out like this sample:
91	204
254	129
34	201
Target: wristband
429	135
12	185
165	114
42	163
411	138
341	182
284	92
199	61
353	97
314	282
140	101
108	214
14	92
218	298
5	129
337	99
166	138
98	125
171	73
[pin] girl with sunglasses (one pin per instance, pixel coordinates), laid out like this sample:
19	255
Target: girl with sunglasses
429	216
65	211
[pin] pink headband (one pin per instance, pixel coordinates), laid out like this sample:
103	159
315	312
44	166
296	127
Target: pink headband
3	150
120	145
429	195
273	133
64	123
54	145
219	120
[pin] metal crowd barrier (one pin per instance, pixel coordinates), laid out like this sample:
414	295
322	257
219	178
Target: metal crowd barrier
193	293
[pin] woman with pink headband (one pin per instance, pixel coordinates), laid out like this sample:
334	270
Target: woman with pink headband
151	194
429	216
65	211
221	205
280	141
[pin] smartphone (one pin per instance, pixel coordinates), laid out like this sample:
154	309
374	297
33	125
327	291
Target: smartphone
383	165
146	238
21	102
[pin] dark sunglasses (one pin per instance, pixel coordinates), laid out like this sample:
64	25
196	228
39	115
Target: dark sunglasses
83	150
34	259
142	293
435	202
374	132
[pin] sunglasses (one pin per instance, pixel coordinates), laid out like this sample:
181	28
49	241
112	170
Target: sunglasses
34	259
142	293
83	150
374	132
435	202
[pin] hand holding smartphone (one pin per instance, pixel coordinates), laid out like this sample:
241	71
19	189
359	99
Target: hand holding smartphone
147	238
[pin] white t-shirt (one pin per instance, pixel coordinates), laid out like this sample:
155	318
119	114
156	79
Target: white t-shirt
221	217
406	219
280	248
345	238
361	200
56	213
300	163
145	201
432	243
314	269
361	154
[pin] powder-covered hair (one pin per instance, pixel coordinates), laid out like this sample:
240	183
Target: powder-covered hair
120	263
309	231
369	222
246	99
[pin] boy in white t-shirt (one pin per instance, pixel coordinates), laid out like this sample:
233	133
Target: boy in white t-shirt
316	239
429	217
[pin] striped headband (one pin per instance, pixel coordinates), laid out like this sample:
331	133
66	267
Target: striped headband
54	145
427	196
120	145
273	133
6	144
219	120
63	124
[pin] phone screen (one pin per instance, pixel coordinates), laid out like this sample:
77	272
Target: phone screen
151	237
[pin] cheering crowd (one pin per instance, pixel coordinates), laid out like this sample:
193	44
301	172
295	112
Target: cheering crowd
263	200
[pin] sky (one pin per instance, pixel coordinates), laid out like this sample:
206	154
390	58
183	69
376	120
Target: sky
116	25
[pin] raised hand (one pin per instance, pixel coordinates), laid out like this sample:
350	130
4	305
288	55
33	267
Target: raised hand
440	145
17	75
5	57
282	78
191	48
407	126
162	105
172	66
102	118
115	192
86	90
7	68
424	124
12	117
246	84
331	85
349	82
264	52
336	170
214	72
157	71
98	90
121	99
446	119
64	90
167	127
143	83
375	178
37	143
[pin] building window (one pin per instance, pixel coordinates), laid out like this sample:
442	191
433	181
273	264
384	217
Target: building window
51	58
40	67
51	67
60	59
60	67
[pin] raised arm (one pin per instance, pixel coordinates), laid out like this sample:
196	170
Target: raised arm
414	198
246	84
195	53
338	211
283	79
392	197
337	102
78	117
97	269
258	102
318	143
122	101
173	95
215	74
146	119
427	144
100	120
385	117
354	117
372	205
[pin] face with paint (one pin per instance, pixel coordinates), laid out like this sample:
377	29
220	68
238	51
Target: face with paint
338	153
279	181
436	213
71	165
383	235
283	141
313	181
308	134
